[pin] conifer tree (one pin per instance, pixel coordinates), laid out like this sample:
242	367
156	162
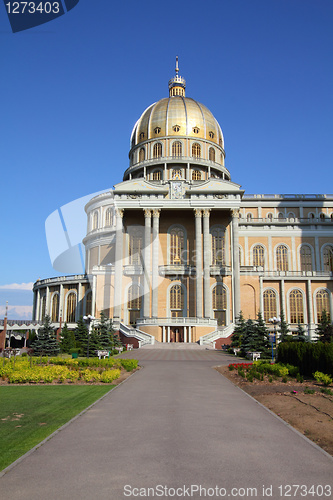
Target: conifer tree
46	343
91	344
248	340
68	339
324	328
105	333
283	331
239	331
300	334
81	335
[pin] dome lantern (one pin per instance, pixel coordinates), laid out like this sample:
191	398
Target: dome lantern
177	84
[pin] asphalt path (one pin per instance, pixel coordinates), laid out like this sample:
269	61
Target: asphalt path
175	429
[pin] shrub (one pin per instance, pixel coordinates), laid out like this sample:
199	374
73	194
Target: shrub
308	357
109	376
323	378
129	364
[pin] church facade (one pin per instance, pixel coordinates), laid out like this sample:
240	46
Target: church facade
177	250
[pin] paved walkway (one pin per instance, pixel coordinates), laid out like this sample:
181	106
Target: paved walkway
177	423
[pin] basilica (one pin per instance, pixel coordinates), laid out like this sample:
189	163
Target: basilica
175	251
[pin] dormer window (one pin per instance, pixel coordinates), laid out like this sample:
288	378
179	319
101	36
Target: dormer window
157	130
176	128
211	134
196	130
142	135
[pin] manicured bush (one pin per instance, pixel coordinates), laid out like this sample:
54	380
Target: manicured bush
308	357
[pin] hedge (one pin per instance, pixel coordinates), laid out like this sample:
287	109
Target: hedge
308	357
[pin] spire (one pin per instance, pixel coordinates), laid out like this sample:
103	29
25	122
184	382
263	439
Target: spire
177	84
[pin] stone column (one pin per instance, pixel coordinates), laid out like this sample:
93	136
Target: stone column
311	325
118	266
163	333
61	303
235	255
80	302
47	303
206	263
146	265
154	290
189	334
198	262
38	305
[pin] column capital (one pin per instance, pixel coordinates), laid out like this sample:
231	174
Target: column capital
156	213
119	212
197	212
147	212
235	212
206	212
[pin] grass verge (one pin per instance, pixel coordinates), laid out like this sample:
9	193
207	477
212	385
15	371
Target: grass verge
31	413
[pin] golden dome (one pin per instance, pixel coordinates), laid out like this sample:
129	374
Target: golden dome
177	116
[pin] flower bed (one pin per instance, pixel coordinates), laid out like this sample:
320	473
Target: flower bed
54	370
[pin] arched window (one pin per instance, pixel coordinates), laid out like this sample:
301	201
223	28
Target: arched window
322	216
269	217
95	220
219	300
212	154
177	148
196	175
177	173
270	309
176	301
177	246
196	150
259	256
71	307
142	154
218	250
55	308
156	175
322	304
282	258
249	217
296	307
134	303
281	215
305	258
135	246
157	150
108	217
328	259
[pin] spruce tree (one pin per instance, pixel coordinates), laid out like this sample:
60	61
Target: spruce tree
81	335
239	331
262	335
92	344
249	338
46	343
67	339
283	331
324	329
105	333
300	334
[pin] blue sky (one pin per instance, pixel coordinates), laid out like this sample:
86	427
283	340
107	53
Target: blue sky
73	89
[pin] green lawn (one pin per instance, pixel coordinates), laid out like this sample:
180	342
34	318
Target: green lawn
28	414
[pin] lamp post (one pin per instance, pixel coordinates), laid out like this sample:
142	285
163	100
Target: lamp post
274	321
88	319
